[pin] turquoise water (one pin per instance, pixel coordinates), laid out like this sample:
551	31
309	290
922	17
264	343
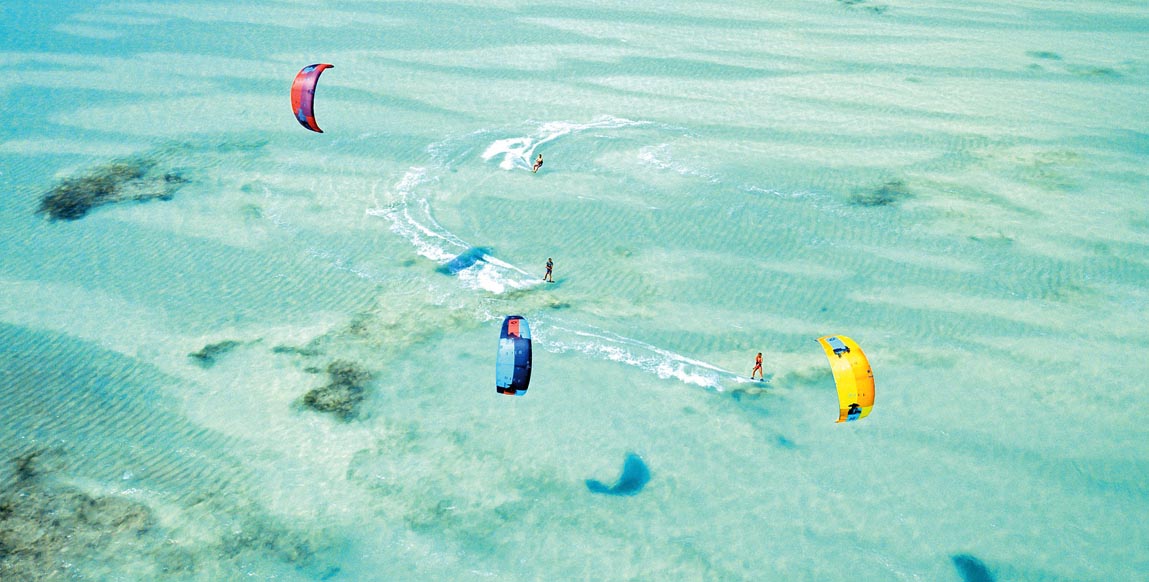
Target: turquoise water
961	189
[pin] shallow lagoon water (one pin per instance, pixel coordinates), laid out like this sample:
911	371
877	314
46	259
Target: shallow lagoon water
959	189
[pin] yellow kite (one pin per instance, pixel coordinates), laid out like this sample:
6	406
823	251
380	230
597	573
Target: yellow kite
853	376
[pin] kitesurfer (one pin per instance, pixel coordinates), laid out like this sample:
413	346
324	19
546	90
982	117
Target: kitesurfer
538	164
757	367
548	276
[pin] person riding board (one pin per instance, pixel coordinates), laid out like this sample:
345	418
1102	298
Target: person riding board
548	276
757	367
538	164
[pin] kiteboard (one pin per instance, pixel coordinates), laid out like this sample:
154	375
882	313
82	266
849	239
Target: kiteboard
747	380
513	360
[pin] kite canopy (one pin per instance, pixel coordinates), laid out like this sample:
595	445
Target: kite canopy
303	94
513	363
852	375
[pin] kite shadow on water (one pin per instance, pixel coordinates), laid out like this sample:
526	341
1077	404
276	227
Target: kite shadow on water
635	476
464	260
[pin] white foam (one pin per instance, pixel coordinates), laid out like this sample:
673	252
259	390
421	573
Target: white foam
661	157
777	193
616	348
517	152
505	265
492	277
411	218
429	238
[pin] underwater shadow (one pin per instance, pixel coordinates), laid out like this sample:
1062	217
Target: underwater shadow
464	260
635	476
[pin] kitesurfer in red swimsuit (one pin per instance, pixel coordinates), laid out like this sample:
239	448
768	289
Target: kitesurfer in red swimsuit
757	367
538	164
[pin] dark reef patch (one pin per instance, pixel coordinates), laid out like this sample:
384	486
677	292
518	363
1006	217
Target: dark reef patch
865	5
887	194
1055	61
997	239
306	351
46	527
51	529
972	569
1093	71
207	356
134	179
128	489
343	394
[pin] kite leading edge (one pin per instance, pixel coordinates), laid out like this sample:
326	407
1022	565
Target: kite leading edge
852	375
303	95
513	363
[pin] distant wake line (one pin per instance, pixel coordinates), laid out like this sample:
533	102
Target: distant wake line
661	157
411	218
